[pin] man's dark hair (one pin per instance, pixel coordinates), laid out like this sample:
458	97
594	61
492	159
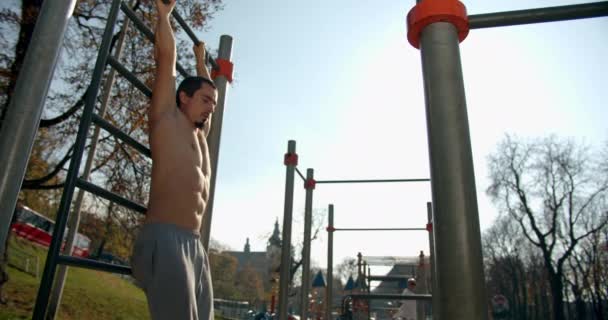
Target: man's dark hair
190	84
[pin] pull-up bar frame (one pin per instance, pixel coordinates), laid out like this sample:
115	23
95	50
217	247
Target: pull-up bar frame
376	296
387	278
540	15
437	30
309	185
380	229
291	161
374	181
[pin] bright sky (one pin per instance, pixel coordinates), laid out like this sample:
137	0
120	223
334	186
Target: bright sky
340	78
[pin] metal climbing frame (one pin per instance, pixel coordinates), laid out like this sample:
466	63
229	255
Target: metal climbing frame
291	162
365	273
222	71
436	27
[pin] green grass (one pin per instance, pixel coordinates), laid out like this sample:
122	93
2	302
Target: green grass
88	294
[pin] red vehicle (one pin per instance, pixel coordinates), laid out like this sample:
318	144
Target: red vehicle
37	228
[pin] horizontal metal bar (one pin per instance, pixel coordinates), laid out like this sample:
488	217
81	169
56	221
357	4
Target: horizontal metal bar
92	264
147	32
378	296
138	23
380	229
550	14
111	196
185	26
372	181
194	38
300	174
130	76
121	135
388	278
390	261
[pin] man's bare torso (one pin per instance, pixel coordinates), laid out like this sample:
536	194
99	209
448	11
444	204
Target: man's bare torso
180	172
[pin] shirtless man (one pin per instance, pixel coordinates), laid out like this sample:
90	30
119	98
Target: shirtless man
168	259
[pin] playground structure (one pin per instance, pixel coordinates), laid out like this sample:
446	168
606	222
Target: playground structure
434	26
379	302
49	18
291	162
361	296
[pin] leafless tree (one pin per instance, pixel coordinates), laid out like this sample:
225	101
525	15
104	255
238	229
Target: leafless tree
556	191
346	269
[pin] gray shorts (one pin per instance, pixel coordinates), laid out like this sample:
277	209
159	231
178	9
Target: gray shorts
171	266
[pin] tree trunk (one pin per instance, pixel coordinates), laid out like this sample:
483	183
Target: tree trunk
579	303
537	304
524	309
545	306
557	294
596	294
514	303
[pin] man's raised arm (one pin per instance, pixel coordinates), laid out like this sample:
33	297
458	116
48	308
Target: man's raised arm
163	96
200	55
202	71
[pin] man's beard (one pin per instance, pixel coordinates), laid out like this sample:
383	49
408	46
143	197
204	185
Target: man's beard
200	124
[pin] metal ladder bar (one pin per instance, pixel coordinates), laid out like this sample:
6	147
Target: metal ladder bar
50	267
111	196
194	39
141	26
129	76
104	124
93	265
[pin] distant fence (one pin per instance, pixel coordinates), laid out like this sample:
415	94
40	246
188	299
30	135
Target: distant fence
24	261
231	309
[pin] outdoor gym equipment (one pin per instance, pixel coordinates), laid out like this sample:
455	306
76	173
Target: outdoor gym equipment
437	27
24	114
291	162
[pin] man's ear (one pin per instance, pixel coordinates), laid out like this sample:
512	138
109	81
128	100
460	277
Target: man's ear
183	98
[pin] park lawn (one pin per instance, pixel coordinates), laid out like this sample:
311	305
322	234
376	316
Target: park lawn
88	294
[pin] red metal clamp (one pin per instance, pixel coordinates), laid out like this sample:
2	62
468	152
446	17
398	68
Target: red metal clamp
429	227
430	11
291	159
330	229
310	184
225	68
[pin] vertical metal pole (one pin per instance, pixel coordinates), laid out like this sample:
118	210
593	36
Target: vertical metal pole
330	262
366	282
460	277
364	276
306	250
359	277
23	114
434	301
421	286
213	140
286	246
70	183
369	282
74	220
